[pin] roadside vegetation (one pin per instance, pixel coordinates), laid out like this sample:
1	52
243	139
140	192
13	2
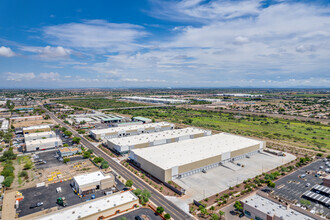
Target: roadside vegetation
97	103
312	135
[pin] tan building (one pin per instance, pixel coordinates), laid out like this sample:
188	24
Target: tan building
105	207
89	183
37	128
125	144
115	132
180	159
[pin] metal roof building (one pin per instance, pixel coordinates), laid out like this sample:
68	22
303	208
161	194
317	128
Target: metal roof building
39	135
180	159
155	100
37	128
125	144
42	144
114	132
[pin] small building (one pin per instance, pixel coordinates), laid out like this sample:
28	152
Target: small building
261	207
43	144
142	119
125	144
4	125
98	208
39	135
37	128
68	151
89	183
114	132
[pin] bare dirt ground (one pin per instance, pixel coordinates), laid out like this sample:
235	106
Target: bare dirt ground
18	124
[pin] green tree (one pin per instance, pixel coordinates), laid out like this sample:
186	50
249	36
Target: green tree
28	165
68	133
8	181
167	216
215	217
305	202
129	183
104	164
160	209
221	213
86	154
98	159
66	160
137	192
76	140
238	206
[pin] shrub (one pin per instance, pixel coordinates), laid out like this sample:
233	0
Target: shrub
104	164
66	160
167	216
129	183
160	210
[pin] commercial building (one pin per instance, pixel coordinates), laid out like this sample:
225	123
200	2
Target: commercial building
125	124
240	95
68	151
43	144
39	135
142	119
104	207
96	118
263	208
114	132
155	100
125	144
89	183
37	128
184	158
4	125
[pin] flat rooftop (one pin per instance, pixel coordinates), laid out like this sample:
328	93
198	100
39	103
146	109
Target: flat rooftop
40	134
43	141
132	127
90	178
272	208
192	150
151	137
91	207
36	127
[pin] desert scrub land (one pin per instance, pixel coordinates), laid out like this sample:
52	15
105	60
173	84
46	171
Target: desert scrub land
97	103
311	135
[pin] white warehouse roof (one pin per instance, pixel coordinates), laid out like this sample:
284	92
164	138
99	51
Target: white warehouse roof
90	178
92	207
132	127
36	127
150	137
42	141
40	134
192	150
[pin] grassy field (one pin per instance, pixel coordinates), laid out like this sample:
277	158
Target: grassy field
303	134
97	103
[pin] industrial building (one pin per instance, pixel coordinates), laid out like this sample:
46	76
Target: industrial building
125	124
4	125
125	144
114	132
68	151
43	144
142	119
95	118
259	206
155	100
39	135
37	128
99	208
184	158
89	183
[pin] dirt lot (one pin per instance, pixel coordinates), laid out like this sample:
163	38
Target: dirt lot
18	124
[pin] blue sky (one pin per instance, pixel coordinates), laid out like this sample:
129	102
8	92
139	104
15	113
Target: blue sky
153	43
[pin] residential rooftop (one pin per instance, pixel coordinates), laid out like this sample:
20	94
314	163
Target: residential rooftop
192	150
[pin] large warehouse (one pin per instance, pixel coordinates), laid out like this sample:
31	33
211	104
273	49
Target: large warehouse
43	144
37	128
180	159
155	100
39	135
115	132
125	144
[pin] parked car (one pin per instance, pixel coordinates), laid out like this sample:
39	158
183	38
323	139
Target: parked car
307	184
38	204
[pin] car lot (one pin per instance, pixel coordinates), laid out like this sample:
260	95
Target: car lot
49	196
290	188
139	212
50	158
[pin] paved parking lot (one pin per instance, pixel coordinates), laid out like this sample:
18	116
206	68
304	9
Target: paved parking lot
48	196
51	160
292	187
141	211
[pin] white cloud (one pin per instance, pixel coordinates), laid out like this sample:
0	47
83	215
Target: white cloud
6	52
18	77
49	52
241	40
51	76
96	34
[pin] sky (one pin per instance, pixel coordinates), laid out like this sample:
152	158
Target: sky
154	43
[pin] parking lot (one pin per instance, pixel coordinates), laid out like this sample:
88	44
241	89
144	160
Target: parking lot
49	196
290	188
139	212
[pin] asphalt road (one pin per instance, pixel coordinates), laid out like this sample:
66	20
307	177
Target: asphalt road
157	198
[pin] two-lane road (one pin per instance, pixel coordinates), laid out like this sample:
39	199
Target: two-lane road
157	198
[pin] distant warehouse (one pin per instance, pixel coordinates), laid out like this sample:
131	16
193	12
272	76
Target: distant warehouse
114	132
155	100
180	159
37	128
39	135
125	144
43	144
